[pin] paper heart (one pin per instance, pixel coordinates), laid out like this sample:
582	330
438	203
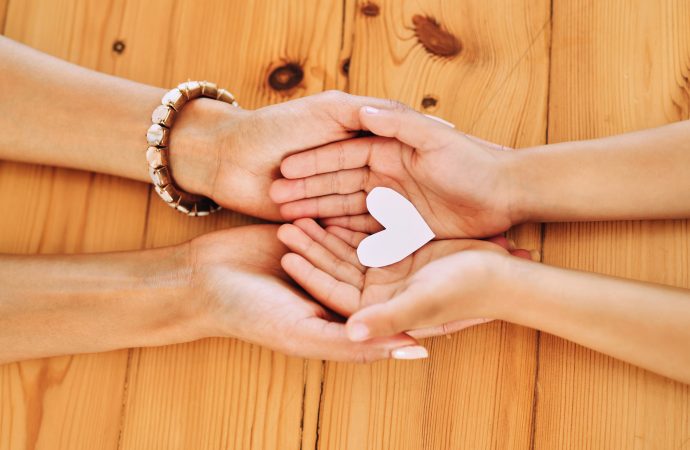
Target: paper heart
405	229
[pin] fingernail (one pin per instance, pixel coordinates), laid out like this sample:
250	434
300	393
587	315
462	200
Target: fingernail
371	110
358	332
410	352
536	256
438	119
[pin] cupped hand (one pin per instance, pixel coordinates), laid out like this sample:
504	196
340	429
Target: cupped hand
461	185
244	293
233	155
457	288
324	262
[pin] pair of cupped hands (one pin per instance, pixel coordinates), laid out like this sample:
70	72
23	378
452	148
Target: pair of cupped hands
299	287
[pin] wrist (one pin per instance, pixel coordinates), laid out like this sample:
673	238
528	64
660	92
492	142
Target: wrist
523	194
196	142
165	306
514	279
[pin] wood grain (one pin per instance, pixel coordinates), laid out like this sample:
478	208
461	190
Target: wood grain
3	14
475	391
69	402
616	66
598	68
223	393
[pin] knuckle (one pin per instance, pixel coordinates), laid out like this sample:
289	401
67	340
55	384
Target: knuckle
396	105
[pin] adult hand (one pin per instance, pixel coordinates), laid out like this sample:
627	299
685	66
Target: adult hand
232	155
245	294
461	185
325	264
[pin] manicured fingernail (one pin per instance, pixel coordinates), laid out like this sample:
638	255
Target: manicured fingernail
358	332
410	352
371	110
438	119
536	256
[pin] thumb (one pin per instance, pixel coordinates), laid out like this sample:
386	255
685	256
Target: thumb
407	311
408	126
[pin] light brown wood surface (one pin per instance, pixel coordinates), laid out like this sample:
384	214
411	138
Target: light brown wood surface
527	72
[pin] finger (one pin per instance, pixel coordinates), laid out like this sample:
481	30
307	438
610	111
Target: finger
446	328
362	223
285	190
408	126
407	311
343	155
352	238
326	206
301	243
331	242
320	339
438	119
341	297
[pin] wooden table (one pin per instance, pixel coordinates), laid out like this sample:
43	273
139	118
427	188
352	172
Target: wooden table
518	72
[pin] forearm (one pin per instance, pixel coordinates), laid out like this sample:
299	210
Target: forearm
56	113
645	324
640	175
54	305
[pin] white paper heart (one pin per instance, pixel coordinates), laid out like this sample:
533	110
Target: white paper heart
405	229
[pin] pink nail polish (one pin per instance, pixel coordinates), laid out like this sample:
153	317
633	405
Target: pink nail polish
410	352
371	110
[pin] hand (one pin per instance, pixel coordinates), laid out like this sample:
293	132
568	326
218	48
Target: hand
325	264
459	287
461	185
232	155
245	294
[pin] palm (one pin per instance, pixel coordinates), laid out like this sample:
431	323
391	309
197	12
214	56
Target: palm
325	264
454	205
452	186
381	284
252	297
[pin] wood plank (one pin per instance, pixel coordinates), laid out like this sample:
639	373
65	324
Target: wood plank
3	14
74	401
221	393
475	391
617	66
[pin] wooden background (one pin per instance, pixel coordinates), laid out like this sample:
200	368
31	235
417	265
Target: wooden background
519	72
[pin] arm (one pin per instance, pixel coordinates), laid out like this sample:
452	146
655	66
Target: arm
466	188
642	323
56	113
215	285
53	112
639	175
55	305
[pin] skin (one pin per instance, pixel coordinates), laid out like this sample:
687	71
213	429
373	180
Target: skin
98	122
464	187
325	263
641	323
202	288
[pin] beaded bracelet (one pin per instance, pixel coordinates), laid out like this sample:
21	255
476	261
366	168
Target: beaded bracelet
158	137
